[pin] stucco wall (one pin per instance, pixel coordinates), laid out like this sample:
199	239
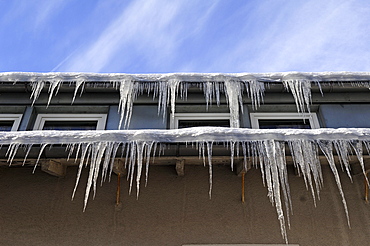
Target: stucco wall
36	209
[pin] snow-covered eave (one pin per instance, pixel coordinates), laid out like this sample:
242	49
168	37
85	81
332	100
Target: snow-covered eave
187	77
199	134
99	148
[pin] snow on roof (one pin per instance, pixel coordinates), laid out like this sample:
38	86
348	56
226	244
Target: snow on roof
232	85
188	77
215	134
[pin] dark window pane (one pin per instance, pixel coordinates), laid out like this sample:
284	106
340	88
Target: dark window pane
6	126
195	123
286	123
70	125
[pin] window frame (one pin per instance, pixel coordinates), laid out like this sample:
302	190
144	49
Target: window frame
16	118
311	117
174	124
42	118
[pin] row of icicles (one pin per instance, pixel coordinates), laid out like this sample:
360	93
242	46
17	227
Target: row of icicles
268	155
167	92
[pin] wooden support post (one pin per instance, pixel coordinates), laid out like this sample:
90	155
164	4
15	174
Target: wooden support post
366	183
243	187
118	192
180	167
120	170
118	205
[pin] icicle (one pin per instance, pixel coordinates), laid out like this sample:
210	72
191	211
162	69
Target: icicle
140	146
173	88
100	149
245	154
209	154
43	146
89	179
365	84
162	91
301	90
342	148
148	151
233	93
97	151
112	156
132	163
232	149
28	149
367	146
357	146
126	88
36	87
306	161
212	90
84	150
107	161
273	181
327	149
54	86
255	90
283	175
200	146
11	152
80	82
70	149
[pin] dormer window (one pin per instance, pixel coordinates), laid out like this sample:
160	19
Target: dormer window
284	121
70	122
10	122
185	120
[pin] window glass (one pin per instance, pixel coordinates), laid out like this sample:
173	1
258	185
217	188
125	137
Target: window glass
284	124
184	120
195	123
282	120
70	125
70	122
6	126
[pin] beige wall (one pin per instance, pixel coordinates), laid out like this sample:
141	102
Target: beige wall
37	210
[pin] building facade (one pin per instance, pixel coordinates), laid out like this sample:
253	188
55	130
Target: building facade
72	124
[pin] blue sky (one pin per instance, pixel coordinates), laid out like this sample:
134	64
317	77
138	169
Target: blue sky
160	36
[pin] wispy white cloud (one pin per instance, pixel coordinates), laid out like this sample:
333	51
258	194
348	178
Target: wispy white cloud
33	16
313	35
152	28
47	9
214	36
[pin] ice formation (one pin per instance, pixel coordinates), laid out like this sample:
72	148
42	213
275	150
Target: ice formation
166	87
97	149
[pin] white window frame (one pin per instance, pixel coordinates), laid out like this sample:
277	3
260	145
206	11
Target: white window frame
12	117
42	118
265	244
174	124
311	117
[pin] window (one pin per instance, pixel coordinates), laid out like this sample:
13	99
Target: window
269	244
10	122
184	120
70	122
284	120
